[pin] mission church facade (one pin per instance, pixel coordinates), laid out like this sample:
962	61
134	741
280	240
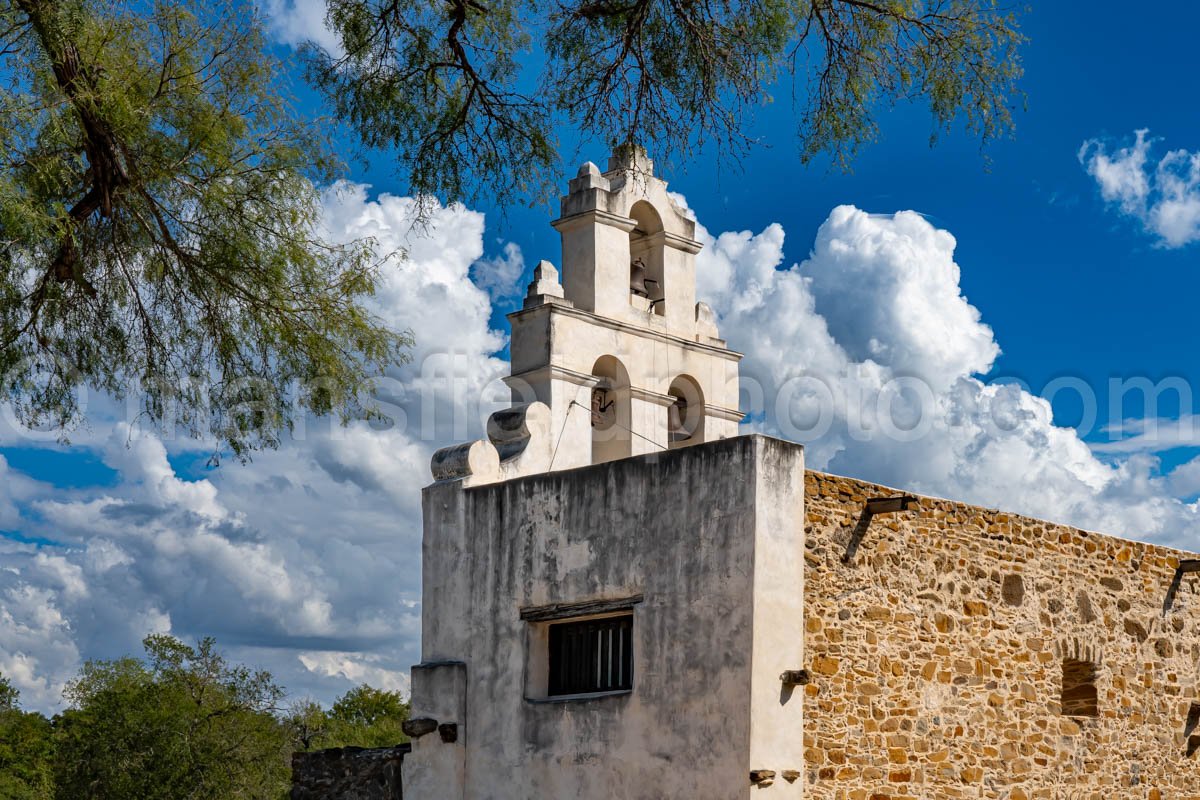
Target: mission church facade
623	598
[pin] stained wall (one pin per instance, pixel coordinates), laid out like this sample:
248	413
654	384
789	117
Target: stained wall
708	539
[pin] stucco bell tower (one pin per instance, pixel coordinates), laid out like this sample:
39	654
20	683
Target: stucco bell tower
617	358
612	579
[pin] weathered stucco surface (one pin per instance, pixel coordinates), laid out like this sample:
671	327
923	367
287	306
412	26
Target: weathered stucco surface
710	538
936	655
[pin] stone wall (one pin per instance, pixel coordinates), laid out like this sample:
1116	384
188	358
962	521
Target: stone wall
937	656
348	773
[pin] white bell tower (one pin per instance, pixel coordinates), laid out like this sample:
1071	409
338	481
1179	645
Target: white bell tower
621	355
595	608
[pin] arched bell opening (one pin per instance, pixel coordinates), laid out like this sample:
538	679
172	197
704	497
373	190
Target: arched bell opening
685	415
610	411
646	241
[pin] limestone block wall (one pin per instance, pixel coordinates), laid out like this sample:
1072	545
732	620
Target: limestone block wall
937	656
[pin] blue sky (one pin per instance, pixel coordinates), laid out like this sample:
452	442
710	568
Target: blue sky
1069	288
306	560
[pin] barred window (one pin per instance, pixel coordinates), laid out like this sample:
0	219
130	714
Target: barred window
594	655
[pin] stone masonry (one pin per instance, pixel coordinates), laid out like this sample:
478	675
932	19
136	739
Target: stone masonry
348	773
937	656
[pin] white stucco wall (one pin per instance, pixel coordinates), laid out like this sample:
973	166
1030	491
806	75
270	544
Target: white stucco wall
711	538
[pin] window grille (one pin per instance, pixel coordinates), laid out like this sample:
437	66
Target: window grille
594	655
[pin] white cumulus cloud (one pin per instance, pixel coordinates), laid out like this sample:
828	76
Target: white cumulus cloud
296	22
307	560
868	352
1163	196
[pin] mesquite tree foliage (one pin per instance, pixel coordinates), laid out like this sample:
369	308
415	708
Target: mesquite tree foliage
159	210
159	198
468	91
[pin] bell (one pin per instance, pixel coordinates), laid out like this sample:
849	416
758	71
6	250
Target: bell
637	279
676	413
600	406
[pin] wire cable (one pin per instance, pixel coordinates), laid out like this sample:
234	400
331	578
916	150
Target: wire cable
617	424
561	431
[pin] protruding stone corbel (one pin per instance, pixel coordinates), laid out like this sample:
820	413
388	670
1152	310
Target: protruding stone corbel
418	727
795	677
890	505
762	777
1185	567
874	506
512	429
518	444
522	438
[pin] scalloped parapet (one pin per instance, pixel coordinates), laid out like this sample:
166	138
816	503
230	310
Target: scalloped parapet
473	460
519	443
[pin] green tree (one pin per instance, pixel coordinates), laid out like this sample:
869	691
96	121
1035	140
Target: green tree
9	695
445	85
159	197
363	717
368	717
158	225
26	750
308	724
182	725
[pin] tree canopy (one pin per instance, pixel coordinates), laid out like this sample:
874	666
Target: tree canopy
160	196
469	91
26	749
180	723
362	717
158	225
183	723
